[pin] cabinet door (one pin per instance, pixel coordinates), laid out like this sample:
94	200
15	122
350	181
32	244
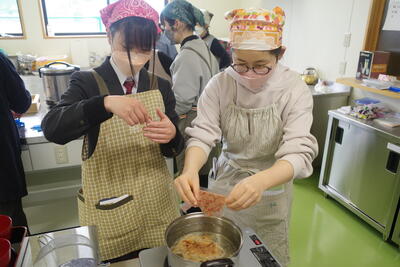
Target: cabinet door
343	159
361	171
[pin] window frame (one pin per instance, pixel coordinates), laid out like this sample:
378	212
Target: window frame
371	37
43	18
21	21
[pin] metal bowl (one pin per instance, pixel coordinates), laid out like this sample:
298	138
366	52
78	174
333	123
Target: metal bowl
231	237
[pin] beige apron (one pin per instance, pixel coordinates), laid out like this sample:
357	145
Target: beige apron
128	165
250	139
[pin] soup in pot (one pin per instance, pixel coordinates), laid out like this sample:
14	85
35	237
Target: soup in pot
202	246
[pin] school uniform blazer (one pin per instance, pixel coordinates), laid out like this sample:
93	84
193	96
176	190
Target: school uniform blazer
13	96
81	109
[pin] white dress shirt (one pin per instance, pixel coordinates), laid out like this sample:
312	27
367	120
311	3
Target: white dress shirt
122	77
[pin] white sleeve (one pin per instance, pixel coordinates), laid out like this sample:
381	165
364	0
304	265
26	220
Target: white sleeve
298	146
185	82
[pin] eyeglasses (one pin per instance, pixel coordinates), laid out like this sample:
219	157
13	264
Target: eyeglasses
242	68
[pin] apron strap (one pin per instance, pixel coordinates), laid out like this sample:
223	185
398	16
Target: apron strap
100	83
153	82
201	56
234	88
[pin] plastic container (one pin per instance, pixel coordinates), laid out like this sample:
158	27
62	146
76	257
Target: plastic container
5	252
67	251
5	227
20	127
395	88
18	234
366	101
377	84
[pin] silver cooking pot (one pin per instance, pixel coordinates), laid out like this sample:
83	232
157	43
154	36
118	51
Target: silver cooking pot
55	80
231	238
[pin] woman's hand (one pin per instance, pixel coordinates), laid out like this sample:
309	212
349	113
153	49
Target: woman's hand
246	193
131	110
161	131
188	187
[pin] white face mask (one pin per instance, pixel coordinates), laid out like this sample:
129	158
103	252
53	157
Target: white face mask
199	30
250	80
138	60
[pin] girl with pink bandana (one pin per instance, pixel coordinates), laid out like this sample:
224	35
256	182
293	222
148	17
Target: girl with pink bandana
128	120
262	111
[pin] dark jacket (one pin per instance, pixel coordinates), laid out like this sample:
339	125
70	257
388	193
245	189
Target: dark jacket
218	51
13	96
81	109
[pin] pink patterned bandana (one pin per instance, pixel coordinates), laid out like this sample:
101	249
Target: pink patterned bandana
128	8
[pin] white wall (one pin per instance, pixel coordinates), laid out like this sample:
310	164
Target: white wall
35	43
314	33
219	26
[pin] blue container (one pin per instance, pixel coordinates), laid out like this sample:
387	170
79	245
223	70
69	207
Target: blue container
21	128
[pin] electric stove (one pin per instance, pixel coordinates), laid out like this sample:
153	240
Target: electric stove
254	253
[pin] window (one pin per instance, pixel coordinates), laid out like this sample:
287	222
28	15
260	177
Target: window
78	17
10	21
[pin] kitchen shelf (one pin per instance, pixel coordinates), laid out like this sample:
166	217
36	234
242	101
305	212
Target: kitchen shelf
353	82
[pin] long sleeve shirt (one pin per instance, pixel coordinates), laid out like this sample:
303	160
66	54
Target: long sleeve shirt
294	104
13	96
191	72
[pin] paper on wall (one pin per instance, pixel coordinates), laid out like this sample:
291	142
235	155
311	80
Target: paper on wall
392	21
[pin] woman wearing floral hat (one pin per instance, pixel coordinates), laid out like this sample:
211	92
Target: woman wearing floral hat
263	111
128	120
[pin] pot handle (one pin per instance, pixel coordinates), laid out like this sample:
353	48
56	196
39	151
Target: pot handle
62	62
218	263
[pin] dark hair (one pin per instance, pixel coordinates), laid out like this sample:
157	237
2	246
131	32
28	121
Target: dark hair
171	22
276	52
136	32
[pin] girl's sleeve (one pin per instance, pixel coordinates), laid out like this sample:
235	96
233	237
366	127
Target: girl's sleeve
77	112
298	145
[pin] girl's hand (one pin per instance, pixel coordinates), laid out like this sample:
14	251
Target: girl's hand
131	110
161	131
188	187
245	194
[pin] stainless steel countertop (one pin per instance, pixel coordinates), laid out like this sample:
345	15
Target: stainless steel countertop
334	89
394	132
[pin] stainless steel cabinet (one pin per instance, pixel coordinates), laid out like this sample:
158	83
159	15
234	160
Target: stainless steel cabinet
336	97
360	169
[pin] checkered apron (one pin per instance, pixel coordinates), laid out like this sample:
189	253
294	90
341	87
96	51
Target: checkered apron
125	163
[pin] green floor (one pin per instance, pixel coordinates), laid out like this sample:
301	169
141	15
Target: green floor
323	233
